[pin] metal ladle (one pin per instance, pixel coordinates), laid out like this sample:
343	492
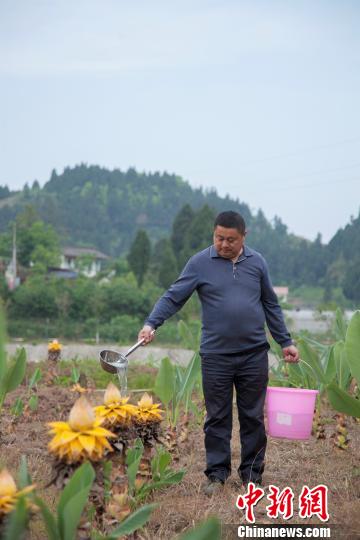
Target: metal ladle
111	361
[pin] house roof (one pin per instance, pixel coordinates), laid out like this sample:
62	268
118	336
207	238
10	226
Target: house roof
281	290
79	252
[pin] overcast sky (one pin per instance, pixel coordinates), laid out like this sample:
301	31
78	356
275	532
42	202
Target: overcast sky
257	99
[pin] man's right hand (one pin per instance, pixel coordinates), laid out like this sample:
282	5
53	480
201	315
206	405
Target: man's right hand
147	334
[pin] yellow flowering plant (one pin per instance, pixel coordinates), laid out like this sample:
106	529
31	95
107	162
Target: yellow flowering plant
54	346
9	493
82	437
147	411
116	411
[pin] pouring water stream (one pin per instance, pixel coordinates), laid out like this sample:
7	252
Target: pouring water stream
115	362
122	376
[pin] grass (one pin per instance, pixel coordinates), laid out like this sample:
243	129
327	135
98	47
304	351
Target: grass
140	376
313	297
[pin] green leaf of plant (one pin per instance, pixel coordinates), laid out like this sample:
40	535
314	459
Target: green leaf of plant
340	325
75	375
330	365
179	375
16	372
164	461
18	407
33	402
314	343
24	478
342	402
342	367
296	376
208	530
352	345
133	458
155	467
159	463
276	382
133	522
49	520
310	356
188	339
189	378
73	499
36	377
16	526
309	378
165	381
173	477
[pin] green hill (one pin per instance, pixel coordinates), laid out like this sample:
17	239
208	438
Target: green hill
95	207
92	206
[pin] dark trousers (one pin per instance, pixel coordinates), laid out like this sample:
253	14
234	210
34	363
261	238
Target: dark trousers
248	372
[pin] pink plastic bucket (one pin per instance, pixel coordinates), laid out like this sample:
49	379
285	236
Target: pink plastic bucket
290	412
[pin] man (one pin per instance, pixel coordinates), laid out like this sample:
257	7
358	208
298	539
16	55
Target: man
237	298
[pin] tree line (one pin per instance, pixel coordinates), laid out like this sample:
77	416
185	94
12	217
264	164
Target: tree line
292	261
155	222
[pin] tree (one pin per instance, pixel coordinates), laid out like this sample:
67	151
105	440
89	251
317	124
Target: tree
200	233
37	242
4	192
168	266
34	298
139	256
351	284
180	226
123	296
38	246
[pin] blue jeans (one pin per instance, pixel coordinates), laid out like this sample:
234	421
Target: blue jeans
248	372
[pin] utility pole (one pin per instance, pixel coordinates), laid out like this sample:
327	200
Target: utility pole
14	262
11	271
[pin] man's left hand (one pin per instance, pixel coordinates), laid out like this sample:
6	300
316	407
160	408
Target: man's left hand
291	354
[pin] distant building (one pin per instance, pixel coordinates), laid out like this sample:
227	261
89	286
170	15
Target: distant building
11	278
282	293
85	261
11	272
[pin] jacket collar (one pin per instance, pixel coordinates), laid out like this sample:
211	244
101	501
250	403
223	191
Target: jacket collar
247	252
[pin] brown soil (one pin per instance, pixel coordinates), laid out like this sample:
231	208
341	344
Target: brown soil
289	463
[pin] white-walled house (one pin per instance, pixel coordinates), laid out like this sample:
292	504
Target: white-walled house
282	293
87	261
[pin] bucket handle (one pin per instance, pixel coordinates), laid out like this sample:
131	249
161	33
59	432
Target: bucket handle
308	365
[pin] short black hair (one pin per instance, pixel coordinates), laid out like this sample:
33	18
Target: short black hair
230	220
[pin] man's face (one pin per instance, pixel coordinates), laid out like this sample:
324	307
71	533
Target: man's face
228	242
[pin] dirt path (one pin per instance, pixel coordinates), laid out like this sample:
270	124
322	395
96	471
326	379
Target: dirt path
38	352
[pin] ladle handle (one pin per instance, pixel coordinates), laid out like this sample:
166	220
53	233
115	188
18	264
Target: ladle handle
137	345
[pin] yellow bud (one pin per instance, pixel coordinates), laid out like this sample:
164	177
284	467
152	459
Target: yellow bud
7	484
145	401
78	388
112	394
121	499
82	416
54	346
139	482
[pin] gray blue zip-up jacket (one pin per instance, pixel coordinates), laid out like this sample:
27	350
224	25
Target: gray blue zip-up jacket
236	300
